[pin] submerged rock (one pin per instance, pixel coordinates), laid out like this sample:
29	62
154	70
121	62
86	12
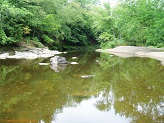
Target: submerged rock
74	63
74	57
87	76
97	61
44	63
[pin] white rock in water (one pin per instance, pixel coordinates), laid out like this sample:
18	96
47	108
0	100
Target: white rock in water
24	55
58	60
97	61
46	51
31	54
55	52
45	55
35	50
4	55
74	63
11	57
55	58
27	55
74	57
16	57
44	63
87	76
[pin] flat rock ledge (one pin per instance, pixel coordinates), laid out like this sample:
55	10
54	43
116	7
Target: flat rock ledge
133	51
31	53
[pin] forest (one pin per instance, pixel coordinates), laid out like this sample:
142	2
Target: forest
74	24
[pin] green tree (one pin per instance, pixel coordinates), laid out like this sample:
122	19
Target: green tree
137	21
76	26
13	22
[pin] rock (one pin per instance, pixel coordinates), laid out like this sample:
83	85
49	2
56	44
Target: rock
30	56
45	55
46	51
74	63
55	52
74	57
32	53
4	55
44	63
97	61
87	76
25	55
58	60
36	50
24	49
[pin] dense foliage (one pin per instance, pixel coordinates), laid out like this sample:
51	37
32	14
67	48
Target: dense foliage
66	24
141	22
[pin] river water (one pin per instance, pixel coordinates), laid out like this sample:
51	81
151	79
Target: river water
122	90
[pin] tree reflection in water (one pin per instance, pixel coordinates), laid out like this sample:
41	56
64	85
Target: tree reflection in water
132	86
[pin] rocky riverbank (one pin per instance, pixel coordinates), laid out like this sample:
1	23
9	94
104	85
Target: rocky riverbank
133	51
29	53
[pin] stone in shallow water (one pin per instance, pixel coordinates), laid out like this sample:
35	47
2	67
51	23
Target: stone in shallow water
44	63
97	61
58	60
55	52
87	76
74	63
24	55
4	55
74	57
32	53
45	55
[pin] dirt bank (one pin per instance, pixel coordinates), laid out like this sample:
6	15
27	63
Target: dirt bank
132	51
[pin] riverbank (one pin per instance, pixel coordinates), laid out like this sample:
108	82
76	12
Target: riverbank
133	51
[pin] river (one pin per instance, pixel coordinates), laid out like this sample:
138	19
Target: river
122	90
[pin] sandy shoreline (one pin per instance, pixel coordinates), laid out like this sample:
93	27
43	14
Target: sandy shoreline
133	51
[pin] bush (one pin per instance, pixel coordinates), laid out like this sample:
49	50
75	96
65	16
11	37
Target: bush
111	44
160	45
47	39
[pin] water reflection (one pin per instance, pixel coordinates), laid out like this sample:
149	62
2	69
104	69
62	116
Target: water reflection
86	112
136	86
58	67
122	90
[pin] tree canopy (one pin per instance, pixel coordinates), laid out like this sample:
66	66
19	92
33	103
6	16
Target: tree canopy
67	24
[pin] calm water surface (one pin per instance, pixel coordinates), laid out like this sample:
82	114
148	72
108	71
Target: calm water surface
127	90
